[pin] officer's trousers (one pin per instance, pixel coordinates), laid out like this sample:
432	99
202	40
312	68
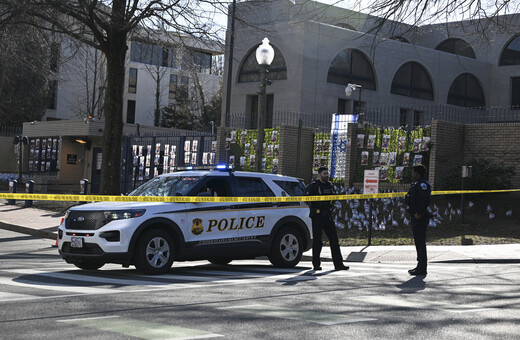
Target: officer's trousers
324	223
419	236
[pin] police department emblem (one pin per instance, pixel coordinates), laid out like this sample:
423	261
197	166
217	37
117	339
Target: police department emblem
424	186
197	227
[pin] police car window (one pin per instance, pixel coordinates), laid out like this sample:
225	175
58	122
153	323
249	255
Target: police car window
167	186
292	188
218	186
252	187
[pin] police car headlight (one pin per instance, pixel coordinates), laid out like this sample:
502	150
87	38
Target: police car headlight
122	214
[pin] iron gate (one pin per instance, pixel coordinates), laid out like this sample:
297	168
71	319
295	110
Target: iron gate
145	157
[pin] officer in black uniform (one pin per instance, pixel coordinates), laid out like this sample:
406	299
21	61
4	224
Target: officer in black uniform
418	200
321	215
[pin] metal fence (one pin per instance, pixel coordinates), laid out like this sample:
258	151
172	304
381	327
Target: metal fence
388	116
10	131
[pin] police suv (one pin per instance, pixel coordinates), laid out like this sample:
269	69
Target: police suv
151	235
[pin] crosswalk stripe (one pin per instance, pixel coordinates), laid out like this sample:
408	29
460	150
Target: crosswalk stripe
400	301
301	315
58	286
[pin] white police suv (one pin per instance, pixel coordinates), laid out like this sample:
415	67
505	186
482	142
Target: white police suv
152	235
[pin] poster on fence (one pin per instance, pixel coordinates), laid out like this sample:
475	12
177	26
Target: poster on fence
338	144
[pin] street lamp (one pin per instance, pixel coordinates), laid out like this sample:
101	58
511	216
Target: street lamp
264	57
19	140
348	92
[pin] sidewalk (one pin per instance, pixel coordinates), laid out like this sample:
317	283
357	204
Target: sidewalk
44	224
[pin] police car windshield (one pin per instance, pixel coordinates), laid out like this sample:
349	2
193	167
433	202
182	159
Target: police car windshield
167	186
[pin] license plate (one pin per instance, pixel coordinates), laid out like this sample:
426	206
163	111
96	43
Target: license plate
76	242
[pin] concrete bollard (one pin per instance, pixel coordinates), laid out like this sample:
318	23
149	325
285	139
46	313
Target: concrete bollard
13	184
29	189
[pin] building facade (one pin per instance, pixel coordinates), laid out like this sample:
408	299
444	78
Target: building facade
319	49
160	72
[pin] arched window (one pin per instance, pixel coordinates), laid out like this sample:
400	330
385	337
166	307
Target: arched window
412	80
250	70
351	66
399	38
466	91
345	25
456	46
511	54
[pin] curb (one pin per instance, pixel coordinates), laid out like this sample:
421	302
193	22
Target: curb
34	232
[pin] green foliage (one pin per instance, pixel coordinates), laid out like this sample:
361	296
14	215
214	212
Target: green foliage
211	112
179	118
486	175
242	147
24	74
392	148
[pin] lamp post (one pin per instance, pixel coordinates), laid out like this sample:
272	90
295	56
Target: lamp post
348	92
19	140
264	57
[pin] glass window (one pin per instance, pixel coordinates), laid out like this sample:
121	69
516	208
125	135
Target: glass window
217	186
511	54
151	54
292	188
351	66
130	112
167	186
412	80
132	80
252	187
173	86
466	91
456	46
250	70
182	93
515	91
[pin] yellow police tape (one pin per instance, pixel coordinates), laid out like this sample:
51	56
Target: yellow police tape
205	199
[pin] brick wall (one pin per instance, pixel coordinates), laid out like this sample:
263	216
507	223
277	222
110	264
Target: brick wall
447	149
454	143
288	157
498	142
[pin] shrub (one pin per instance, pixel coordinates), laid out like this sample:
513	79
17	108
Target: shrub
486	175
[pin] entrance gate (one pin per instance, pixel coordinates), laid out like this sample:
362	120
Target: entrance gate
145	157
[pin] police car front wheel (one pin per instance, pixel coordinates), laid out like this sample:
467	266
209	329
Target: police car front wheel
286	250
154	253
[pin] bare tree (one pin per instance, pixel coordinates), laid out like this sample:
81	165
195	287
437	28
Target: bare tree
105	25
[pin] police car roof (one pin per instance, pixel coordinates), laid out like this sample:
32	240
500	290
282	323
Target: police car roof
226	173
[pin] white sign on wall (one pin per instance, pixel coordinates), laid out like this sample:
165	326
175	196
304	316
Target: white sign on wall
371	182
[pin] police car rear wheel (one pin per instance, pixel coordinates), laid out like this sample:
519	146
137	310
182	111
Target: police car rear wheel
286	250
221	261
89	265
155	251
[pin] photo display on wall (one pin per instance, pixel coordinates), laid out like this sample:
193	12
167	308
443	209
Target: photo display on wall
392	151
44	154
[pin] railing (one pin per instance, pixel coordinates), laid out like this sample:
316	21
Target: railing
10	131
389	116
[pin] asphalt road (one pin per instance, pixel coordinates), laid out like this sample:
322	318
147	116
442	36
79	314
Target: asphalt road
43	297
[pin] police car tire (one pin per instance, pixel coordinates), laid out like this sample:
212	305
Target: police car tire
221	261
144	258
286	250
89	265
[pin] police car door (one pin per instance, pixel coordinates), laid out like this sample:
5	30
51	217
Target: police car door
255	219
213	225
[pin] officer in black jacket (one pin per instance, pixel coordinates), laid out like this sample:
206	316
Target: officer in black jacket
418	200
321	215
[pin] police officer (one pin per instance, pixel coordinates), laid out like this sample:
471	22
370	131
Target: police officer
321	215
418	200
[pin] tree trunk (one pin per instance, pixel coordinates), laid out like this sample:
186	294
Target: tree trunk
112	137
